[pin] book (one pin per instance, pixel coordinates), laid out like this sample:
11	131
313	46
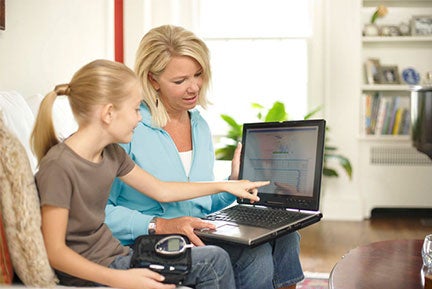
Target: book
374	113
387	115
406	123
405	117
367	105
381	115
394	106
398	120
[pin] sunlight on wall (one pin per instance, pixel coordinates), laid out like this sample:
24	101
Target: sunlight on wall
248	71
259	55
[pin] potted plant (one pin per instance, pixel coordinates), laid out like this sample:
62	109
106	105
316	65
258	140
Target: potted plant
278	113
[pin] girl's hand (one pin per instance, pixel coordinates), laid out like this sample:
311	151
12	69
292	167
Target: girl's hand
139	279
246	189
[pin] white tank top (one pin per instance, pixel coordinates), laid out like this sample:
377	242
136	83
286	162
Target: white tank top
186	158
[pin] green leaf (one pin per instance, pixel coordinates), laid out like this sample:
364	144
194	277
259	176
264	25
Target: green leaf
343	162
235	135
226	153
330	172
230	121
276	113
257	105
312	113
330	148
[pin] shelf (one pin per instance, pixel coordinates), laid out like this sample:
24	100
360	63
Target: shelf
378	39
386	87
385	138
397	3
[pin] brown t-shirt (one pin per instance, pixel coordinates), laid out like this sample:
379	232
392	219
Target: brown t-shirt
68	181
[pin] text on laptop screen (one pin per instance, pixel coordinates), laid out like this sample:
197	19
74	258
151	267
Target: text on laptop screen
284	156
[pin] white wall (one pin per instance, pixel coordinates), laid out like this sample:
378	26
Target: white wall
46	41
342	197
142	15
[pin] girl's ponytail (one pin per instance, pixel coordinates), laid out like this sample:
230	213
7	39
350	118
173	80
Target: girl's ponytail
98	82
43	136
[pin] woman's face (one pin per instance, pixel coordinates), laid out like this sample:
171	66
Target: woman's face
180	83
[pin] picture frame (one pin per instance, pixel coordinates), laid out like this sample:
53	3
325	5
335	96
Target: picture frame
389	74
421	25
372	69
2	15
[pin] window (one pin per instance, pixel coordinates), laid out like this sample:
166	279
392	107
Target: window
259	53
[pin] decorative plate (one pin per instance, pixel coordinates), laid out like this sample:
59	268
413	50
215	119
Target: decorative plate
411	76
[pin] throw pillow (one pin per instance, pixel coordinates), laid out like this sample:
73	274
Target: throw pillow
6	272
19	203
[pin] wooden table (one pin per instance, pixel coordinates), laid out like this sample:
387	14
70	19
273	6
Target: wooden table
395	264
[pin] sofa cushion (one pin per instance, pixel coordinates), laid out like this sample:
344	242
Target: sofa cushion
19	114
63	119
19	119
6	271
19	204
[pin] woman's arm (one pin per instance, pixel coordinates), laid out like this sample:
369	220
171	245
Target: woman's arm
178	191
62	258
126	224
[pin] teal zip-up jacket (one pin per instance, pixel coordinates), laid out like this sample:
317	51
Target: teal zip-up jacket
129	212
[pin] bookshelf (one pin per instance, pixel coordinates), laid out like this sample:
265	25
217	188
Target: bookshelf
394	173
399	52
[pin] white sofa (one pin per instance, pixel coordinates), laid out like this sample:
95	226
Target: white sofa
19	114
19	203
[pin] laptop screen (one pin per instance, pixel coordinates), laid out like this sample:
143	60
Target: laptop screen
288	154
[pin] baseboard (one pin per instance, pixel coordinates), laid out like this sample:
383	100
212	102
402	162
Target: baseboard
401	212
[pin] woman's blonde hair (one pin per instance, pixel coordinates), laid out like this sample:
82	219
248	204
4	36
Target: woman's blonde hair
156	49
98	82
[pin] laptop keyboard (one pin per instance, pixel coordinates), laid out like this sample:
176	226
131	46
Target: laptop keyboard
255	216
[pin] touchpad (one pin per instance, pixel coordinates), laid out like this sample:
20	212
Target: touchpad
228	229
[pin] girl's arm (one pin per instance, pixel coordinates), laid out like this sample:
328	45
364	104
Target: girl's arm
62	258
177	191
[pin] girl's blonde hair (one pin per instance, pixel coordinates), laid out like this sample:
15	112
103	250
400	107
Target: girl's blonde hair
99	82
156	49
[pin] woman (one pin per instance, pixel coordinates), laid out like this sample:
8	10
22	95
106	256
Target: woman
174	143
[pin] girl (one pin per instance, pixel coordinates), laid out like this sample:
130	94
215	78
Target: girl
75	176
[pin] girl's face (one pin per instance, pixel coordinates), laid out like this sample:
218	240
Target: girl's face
180	84
127	116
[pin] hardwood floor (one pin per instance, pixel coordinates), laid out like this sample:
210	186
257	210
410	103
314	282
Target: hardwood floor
323	244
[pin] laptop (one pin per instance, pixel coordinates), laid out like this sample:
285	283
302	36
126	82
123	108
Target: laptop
289	154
